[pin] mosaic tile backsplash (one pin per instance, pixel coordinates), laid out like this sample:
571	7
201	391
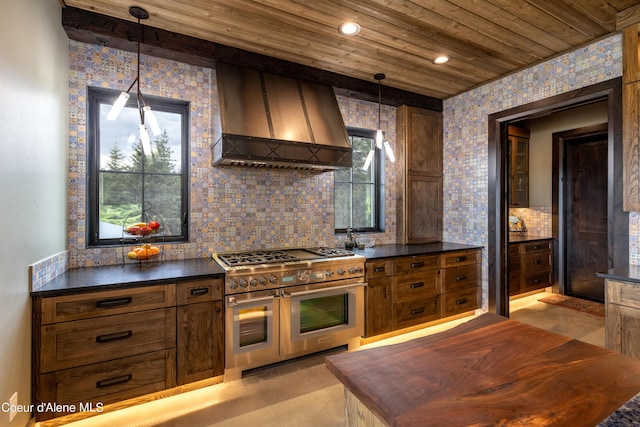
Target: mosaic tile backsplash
466	133
537	220
48	269
231	208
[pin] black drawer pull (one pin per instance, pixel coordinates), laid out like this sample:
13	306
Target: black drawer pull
114	381
198	292
461	301
378	270
537	262
417	311
113	302
417	285
461	277
461	258
114	337
417	264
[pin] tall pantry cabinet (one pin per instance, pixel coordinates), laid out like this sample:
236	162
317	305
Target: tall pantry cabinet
419	132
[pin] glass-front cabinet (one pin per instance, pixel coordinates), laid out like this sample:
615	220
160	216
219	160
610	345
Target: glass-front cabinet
519	167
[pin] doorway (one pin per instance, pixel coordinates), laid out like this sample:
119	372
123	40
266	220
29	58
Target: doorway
617	220
580	176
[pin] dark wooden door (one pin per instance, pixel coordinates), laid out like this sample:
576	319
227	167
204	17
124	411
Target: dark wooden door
586	217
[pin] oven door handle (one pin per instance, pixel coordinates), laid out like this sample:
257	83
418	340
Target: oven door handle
286	294
233	302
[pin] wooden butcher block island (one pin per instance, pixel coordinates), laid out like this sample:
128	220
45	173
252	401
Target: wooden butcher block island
488	371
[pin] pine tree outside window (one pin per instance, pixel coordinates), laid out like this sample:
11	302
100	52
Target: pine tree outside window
123	180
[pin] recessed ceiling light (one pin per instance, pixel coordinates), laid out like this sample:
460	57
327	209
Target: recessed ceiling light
441	59
349	28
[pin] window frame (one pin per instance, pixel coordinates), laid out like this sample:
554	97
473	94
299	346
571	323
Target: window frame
97	96
378	182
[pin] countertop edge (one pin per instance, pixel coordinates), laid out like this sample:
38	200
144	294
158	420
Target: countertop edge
101	278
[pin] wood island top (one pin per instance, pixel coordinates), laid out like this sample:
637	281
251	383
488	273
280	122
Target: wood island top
489	371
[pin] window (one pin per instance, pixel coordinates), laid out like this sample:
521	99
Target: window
358	193
126	185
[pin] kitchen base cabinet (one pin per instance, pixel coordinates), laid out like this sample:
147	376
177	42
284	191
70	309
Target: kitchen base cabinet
378	307
409	291
136	344
622	320
530	266
200	331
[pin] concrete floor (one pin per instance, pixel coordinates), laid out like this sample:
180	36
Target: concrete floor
303	393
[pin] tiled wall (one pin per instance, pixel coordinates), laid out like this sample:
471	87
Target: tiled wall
466	133
47	269
231	208
537	220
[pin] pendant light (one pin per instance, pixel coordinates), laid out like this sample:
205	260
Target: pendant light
380	142
143	108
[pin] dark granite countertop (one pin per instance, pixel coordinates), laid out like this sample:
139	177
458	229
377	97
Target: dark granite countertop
625	273
390	251
527	237
79	280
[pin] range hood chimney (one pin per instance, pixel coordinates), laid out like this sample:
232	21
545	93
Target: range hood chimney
279	122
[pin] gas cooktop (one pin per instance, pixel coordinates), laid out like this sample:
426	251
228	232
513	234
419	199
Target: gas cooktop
276	256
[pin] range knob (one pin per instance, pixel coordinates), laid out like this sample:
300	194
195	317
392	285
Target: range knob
273	280
303	275
233	284
328	273
244	283
253	282
262	281
341	271
354	270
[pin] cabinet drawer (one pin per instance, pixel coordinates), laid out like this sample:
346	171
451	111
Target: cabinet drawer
457	278
544	245
460	301
199	291
378	269
82	342
96	304
412	313
108	382
536	280
417	285
415	264
623	293
536	262
450	259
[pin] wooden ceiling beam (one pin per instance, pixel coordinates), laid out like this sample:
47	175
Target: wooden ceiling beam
93	28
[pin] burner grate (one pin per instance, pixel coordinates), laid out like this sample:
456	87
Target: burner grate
330	252
256	257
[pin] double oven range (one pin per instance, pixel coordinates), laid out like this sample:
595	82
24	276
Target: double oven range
281	304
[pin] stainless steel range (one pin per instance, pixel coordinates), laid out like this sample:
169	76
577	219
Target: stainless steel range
287	303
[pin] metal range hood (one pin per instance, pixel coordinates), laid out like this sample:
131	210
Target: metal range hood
278	122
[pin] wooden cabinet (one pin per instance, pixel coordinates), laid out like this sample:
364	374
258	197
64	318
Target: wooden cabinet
419	133
622	321
407	291
377	296
519	166
200	330
461	273
103	346
631	118
530	266
108	346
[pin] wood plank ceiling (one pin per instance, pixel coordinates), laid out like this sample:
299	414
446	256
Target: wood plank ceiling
485	39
